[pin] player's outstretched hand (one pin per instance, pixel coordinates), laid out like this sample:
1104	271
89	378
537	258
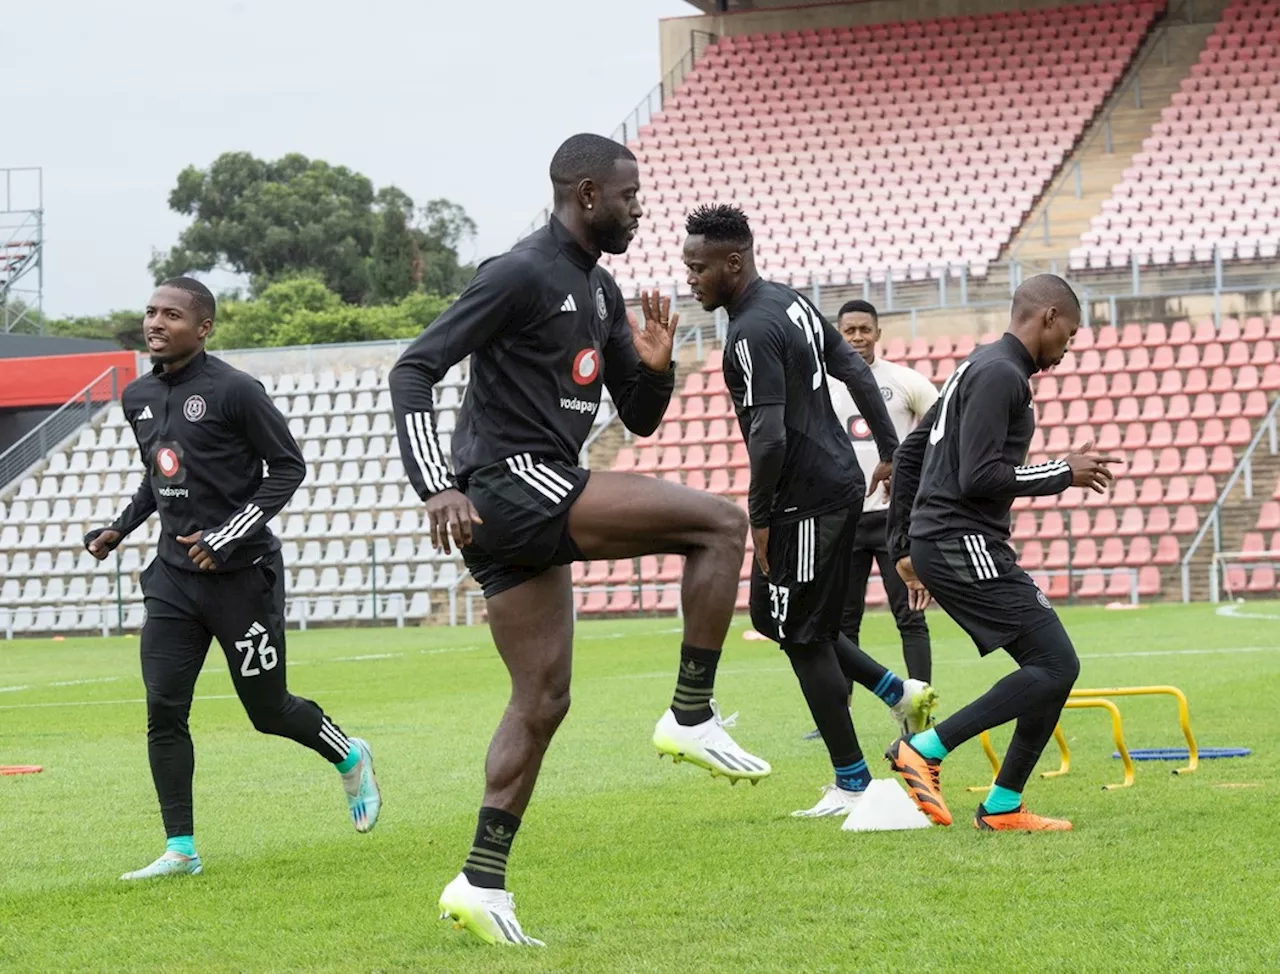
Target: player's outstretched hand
450	513
103	542
760	541
198	553
918	597
1091	471
655	341
881	475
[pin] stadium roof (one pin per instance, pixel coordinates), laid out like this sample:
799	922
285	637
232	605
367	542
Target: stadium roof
712	6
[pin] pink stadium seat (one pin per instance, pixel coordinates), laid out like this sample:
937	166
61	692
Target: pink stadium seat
1185	520
1262	579
1031	555
1269	517
1085	554
997	125
1051	526
1092	585
1058	555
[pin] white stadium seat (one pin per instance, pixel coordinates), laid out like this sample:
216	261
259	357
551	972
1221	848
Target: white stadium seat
419	606
355	494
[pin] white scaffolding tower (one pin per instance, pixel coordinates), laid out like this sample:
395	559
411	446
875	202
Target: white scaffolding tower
22	249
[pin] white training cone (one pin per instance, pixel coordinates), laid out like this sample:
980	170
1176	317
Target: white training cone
885	807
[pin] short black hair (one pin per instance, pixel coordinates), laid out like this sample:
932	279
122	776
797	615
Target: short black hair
1043	291
720	223
206	306
858	305
585	156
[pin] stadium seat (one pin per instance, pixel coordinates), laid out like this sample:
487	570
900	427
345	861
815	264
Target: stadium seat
810	162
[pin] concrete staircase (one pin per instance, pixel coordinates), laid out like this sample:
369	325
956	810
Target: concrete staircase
1146	90
1239	515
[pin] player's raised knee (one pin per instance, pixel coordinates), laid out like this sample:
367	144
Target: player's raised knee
731	521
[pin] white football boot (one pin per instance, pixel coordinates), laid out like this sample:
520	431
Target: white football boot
834	801
487	914
708	745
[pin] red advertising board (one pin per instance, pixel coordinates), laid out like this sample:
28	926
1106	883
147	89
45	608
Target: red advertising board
50	380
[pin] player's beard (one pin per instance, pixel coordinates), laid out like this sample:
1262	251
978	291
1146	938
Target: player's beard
613	238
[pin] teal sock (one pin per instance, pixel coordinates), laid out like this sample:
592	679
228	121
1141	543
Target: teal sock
927	743
184	845
349	762
1002	800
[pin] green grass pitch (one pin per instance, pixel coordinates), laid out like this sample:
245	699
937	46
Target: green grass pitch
625	862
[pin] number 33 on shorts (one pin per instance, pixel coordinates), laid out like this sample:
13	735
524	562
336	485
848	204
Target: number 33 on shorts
259	654
779	603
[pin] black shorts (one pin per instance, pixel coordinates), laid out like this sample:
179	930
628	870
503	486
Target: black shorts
801	603
524	503
978	582
873	532
228	604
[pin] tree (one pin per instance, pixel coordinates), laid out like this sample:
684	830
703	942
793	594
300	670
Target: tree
395	268
302	311
122	327
445	227
304	217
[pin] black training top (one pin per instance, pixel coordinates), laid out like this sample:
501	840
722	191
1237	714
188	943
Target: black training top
205	432
778	351
964	464
544	324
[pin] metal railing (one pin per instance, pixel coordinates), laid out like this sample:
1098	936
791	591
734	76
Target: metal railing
1245	560
1228	289
1213	520
649	106
58	426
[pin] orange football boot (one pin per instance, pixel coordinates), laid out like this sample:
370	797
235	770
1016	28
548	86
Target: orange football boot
1017	821
920	775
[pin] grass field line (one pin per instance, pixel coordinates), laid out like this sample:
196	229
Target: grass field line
135	700
1226	651
656	675
294	663
1233	612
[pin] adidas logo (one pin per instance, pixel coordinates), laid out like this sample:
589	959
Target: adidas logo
691	669
257	629
499	834
569	304
145	414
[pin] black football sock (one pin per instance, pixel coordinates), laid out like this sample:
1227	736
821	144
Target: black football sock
486	864
695	684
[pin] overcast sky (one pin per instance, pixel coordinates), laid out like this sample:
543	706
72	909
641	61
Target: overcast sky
455	99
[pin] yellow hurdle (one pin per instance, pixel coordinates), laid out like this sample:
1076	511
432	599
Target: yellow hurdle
1094	697
1117	733
1184	715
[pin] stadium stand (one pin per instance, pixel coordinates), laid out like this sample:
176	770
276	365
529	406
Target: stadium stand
1209	174
848	171
355	510
1179	402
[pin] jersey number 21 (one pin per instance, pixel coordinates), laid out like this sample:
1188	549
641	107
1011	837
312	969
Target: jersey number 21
806	320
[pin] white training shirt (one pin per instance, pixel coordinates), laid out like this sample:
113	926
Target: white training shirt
908	396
